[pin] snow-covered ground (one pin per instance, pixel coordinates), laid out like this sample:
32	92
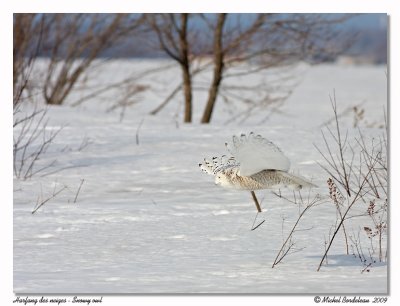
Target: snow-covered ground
147	220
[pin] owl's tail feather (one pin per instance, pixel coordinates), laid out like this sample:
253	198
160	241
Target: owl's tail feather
296	182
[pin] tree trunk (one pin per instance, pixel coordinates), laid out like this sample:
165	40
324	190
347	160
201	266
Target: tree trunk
218	69
187	91
185	66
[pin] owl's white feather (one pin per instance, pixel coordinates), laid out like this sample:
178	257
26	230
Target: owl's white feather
255	153
256	164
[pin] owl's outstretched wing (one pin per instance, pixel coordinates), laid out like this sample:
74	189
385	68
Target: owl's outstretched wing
217	164
255	153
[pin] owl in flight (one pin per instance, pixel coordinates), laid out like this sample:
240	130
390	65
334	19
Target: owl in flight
256	163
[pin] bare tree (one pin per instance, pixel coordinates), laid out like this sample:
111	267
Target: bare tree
240	45
28	37
74	41
172	35
266	41
30	138
218	68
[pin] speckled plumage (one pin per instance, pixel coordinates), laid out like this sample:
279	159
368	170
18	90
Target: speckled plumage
265	179
263	163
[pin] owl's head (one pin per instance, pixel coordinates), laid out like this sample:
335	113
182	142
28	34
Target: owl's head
222	179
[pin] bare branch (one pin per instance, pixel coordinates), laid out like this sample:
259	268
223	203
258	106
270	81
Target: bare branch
288	243
38	205
79	189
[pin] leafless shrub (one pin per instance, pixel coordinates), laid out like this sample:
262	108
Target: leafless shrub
86	141
326	241
358	178
242	104
41	200
73	41
32	138
31	141
127	90
288	245
379	219
338	166
138	130
356	111
58	189
27	41
129	98
358	251
338	199
358	116
79	189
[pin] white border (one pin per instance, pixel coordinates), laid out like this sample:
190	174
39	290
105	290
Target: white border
210	6
148	6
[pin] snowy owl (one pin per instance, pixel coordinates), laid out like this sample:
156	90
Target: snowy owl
256	164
